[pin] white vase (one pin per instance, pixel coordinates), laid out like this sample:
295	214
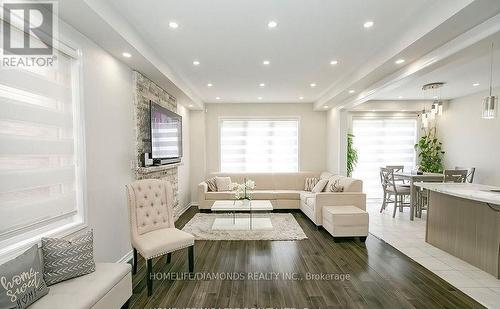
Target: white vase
246	203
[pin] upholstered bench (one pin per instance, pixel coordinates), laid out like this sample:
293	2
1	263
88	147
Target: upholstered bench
345	221
109	286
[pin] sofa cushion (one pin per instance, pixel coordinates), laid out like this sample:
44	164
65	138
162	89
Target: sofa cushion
320	186
85	291
211	184
309	183
325	175
331	181
287	194
223	183
162	241
351	184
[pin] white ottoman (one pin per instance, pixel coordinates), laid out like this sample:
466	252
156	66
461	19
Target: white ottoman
345	221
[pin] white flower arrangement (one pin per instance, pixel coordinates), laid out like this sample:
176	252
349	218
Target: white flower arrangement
241	190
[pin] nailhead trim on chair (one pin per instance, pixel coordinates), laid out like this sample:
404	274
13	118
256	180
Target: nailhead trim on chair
163	253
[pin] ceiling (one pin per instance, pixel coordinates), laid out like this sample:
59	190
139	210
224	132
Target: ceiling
464	73
231	39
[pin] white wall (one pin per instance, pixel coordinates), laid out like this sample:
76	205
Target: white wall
109	136
110	145
205	135
333	140
471	141
198	152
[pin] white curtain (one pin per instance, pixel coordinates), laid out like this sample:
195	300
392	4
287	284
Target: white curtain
382	141
259	145
39	179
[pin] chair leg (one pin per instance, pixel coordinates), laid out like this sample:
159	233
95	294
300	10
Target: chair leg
169	257
395	206
191	258
382	208
149	274
134	265
400	203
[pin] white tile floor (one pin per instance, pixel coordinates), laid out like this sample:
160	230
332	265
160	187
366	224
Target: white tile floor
409	238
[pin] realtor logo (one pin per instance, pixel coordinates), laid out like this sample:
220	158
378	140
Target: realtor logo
28	33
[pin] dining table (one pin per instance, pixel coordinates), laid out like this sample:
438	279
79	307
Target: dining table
412	178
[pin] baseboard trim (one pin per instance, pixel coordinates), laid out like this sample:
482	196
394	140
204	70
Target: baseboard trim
127	258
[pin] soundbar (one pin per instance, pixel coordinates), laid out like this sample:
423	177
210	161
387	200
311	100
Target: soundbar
166	161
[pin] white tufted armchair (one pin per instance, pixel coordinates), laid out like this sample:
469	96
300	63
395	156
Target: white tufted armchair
153	232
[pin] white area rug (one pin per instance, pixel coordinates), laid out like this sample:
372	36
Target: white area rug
285	227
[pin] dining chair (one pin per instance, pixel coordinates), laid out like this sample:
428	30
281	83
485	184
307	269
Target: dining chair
470	172
396	169
152	227
455	175
392	189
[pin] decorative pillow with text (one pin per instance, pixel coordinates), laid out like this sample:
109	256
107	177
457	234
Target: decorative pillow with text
21	280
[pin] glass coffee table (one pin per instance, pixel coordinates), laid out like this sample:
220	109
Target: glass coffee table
254	216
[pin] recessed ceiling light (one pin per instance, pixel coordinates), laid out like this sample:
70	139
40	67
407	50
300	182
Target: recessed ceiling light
301	98
209	85
196	62
312	85
259	98
326	106
400	97
334	62
126	55
399	61
435	97
352	91
368	24
272	24
475	84
266	62
217	98
190	105
262	85
173	25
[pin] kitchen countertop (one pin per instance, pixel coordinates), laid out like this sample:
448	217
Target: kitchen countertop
471	191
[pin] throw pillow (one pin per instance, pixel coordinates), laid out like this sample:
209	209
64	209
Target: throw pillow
212	185
223	183
336	187
320	186
310	182
63	259
21	280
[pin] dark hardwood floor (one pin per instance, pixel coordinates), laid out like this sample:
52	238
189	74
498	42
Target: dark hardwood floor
380	276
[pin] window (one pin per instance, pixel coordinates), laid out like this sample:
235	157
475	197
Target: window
381	142
41	152
259	145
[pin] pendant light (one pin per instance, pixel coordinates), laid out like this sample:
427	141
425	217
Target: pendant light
490	102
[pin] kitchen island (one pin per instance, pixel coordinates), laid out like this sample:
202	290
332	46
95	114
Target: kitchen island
464	220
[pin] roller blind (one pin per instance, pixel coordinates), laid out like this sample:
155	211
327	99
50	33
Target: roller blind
258	145
381	142
40	185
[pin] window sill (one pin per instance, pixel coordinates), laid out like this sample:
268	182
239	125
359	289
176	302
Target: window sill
14	250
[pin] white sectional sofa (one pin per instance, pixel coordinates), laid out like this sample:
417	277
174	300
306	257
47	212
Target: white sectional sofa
286	191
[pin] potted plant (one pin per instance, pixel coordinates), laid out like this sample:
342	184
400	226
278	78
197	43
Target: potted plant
352	155
241	191
430	151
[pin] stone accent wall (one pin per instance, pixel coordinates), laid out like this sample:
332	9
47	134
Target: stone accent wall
144	91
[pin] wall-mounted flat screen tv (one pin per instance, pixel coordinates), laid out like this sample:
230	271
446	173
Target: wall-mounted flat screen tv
166	133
